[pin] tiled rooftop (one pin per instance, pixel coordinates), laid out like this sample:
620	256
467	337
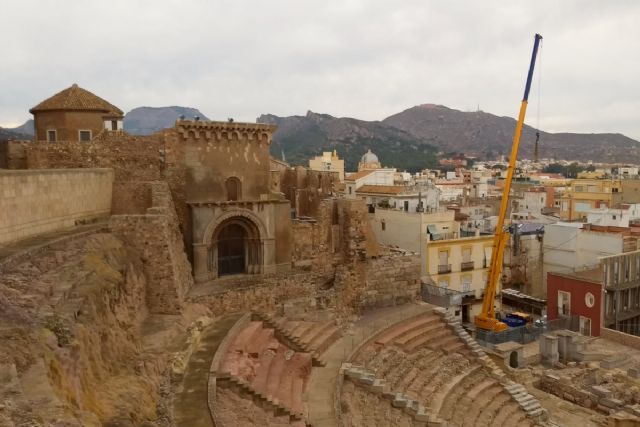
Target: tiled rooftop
76	98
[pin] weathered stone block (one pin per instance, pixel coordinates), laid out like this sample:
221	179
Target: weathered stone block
601	391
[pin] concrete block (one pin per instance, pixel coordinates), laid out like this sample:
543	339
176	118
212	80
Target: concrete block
399	401
367	380
633	409
536	413
613	361
611	402
600	391
531	406
634	372
422	416
378	386
551	376
604	409
388	394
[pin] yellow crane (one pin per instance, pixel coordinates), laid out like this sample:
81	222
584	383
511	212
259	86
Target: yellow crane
487	318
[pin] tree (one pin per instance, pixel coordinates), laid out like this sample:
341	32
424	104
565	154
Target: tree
554	168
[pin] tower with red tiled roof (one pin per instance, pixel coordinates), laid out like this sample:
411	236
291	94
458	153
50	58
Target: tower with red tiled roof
74	114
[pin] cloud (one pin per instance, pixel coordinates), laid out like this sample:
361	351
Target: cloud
365	59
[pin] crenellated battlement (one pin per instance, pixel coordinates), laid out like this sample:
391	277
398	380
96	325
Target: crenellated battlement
211	131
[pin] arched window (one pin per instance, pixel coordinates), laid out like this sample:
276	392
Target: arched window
234	189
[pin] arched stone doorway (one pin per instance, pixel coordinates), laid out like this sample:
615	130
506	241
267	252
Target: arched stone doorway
231	250
235	248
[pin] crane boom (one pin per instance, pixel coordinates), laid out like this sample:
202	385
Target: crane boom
487	317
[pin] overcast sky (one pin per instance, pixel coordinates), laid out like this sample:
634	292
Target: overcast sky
365	59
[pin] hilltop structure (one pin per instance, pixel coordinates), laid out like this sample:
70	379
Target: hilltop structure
74	114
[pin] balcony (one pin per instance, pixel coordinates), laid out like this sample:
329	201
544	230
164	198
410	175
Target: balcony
443	269
466	265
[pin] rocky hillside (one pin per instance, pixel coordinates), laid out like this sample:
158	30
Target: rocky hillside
302	137
488	135
147	120
77	346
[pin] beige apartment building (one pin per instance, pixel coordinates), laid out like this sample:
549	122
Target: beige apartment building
460	265
584	195
329	161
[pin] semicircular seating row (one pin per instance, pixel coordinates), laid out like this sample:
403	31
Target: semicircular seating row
422	360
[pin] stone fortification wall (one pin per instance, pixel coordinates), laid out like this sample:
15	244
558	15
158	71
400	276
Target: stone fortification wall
33	202
157	237
12	155
133	160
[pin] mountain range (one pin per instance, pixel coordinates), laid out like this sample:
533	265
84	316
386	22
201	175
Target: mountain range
147	120
486	135
410	140
298	138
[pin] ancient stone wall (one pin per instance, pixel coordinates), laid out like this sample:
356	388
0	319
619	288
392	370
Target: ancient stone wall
316	240
348	288
306	189
12	155
620	337
33	202
157	237
262	293
357	237
392	280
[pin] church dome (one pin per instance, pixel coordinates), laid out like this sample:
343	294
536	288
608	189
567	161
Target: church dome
369	157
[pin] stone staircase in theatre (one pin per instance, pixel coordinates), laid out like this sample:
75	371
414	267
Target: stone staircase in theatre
306	336
262	369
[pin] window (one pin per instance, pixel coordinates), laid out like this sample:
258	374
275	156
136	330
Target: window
84	135
51	136
234	189
564	303
466	283
589	299
613	216
350	190
384	225
114	125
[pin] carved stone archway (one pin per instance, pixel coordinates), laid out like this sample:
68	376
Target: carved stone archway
235	244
